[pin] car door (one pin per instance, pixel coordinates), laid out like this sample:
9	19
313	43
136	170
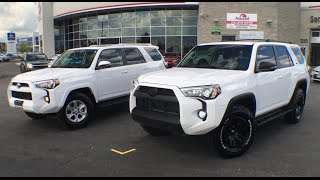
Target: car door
112	81
283	73
135	65
266	85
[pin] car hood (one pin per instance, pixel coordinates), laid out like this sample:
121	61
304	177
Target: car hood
51	73
187	77
317	68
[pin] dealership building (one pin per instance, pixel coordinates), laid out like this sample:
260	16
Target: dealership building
177	26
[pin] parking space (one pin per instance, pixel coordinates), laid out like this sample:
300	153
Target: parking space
115	145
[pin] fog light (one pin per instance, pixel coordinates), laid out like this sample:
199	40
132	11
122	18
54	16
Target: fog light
47	99
202	114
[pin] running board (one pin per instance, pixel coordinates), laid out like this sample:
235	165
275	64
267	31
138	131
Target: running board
265	118
113	101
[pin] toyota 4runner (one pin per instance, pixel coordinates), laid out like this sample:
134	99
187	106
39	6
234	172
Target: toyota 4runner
225	90
81	79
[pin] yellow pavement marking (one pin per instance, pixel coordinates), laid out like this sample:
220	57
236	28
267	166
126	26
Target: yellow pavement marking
122	153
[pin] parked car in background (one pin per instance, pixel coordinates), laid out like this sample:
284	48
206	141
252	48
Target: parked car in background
4	58
172	58
315	74
33	61
82	79
52	59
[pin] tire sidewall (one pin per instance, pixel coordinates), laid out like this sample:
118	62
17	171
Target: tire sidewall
299	93
216	136
90	111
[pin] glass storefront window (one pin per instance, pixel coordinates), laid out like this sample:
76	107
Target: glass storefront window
83	35
71	36
128	39
92	34
174	12
173	30
173	44
189	12
83	26
83	20
143	39
189	21
115	23
103	24
188	43
144	31
160	42
84	43
76	35
76	44
173	21
141	14
189	31
76	27
140	22
115	16
157	13
128	22
92	42
156	31
115	32
103	33
128	32
92	23
158	21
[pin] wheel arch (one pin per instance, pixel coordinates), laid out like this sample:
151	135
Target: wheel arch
246	99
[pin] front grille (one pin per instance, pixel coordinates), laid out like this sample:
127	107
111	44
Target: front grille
164	101
21	95
21	84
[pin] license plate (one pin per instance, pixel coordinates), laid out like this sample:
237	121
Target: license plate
18	104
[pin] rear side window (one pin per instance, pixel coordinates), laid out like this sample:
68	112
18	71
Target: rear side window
133	56
153	53
298	54
283	57
265	53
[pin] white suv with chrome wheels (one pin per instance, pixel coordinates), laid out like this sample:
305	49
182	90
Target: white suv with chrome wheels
224	90
81	79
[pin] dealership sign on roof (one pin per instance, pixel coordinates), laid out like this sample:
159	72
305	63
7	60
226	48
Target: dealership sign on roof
241	21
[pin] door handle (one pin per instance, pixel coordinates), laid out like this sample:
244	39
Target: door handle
124	72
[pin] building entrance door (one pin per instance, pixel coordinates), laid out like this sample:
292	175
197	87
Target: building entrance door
315	54
102	41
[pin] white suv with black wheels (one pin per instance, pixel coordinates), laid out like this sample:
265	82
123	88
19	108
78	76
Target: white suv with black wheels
81	79
225	90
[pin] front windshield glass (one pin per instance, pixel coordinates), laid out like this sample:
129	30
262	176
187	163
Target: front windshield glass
36	57
80	58
229	56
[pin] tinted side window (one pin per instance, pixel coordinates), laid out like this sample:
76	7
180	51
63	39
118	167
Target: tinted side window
283	57
133	56
265	53
112	55
298	54
153	53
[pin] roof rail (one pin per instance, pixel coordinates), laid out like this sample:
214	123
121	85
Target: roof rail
262	40
122	44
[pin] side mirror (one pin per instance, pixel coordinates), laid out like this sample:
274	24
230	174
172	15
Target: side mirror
265	66
103	64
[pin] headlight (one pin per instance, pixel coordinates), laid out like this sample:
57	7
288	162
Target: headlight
47	84
29	65
205	92
135	83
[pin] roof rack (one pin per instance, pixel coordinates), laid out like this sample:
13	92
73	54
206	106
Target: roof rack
263	40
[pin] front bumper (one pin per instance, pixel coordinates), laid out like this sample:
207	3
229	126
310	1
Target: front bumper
188	119
35	104
315	76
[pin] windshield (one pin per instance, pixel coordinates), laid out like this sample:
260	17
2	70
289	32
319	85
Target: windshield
230	57
80	58
36	57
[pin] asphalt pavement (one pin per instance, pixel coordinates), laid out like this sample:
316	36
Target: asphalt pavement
115	145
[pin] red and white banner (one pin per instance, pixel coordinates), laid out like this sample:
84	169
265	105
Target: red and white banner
241	21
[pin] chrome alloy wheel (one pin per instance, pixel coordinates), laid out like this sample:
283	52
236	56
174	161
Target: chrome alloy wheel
76	111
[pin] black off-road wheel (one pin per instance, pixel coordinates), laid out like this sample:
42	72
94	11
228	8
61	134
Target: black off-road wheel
235	133
297	106
77	111
35	116
154	131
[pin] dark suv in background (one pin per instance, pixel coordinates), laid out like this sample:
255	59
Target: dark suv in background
33	61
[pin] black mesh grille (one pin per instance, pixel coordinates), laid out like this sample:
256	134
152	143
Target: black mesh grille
22	95
21	84
163	101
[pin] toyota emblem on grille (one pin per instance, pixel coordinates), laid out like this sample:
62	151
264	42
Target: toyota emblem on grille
19	85
153	91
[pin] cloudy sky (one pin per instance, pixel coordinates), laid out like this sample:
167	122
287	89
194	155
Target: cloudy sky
19	17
